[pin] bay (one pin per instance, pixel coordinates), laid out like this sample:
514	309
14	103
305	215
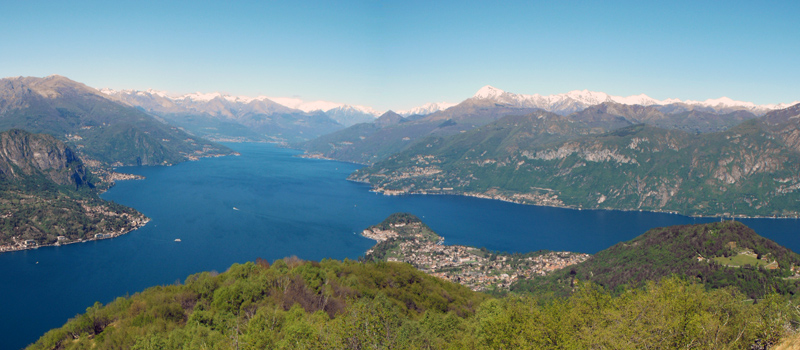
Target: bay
268	203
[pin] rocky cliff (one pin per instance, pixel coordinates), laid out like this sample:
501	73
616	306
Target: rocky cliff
23	154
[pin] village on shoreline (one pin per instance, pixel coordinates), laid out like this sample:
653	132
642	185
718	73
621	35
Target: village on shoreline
410	241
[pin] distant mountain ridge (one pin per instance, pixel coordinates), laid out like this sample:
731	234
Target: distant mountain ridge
564	103
598	112
221	116
97	127
164	102
578	100
545	159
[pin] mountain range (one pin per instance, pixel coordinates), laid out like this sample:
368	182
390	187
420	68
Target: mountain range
99	128
597	111
222	116
609	163
578	100
609	153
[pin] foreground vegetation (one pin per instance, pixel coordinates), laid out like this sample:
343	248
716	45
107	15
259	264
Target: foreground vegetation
294	304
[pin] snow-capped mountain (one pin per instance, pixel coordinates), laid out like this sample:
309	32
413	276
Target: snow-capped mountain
213	103
350	115
578	100
427	108
221	104
222	116
324	106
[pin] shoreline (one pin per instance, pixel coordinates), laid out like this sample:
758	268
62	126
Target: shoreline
502	198
17	248
510	200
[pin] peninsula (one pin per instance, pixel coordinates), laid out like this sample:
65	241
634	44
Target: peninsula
405	238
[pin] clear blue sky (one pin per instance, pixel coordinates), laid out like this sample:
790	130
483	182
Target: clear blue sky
399	54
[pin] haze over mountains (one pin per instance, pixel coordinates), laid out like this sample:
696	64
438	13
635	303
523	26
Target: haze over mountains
578	100
222	116
596	111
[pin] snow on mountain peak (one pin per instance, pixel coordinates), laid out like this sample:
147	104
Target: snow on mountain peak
296	103
727	102
588	97
199	96
108	91
488	92
427	108
578	99
559	103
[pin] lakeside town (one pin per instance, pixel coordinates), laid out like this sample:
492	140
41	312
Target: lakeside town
403	238
132	221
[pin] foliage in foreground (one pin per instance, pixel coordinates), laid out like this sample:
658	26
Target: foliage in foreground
350	305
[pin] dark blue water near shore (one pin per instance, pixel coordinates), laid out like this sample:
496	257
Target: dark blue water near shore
286	206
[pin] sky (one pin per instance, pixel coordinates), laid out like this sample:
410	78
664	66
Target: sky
401	54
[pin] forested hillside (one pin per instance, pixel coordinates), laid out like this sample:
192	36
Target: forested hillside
46	193
750	169
721	254
294	304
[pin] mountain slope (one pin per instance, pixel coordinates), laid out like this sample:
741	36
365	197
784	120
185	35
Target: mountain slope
366	144
25	155
719	255
612	115
747	170
599	111
45	192
99	128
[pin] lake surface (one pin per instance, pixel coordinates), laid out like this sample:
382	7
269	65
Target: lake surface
267	203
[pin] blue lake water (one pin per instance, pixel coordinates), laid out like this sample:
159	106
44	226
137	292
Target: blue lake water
284	206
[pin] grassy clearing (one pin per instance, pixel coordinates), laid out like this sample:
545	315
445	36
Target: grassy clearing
740	260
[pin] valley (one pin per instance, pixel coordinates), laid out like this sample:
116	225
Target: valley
479	148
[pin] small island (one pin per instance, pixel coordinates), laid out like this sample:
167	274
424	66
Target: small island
405	238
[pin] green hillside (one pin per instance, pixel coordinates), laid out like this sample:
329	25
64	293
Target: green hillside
97	127
294	304
722	254
369	143
46	193
749	169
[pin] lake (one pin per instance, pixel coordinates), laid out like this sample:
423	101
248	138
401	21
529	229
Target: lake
268	203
